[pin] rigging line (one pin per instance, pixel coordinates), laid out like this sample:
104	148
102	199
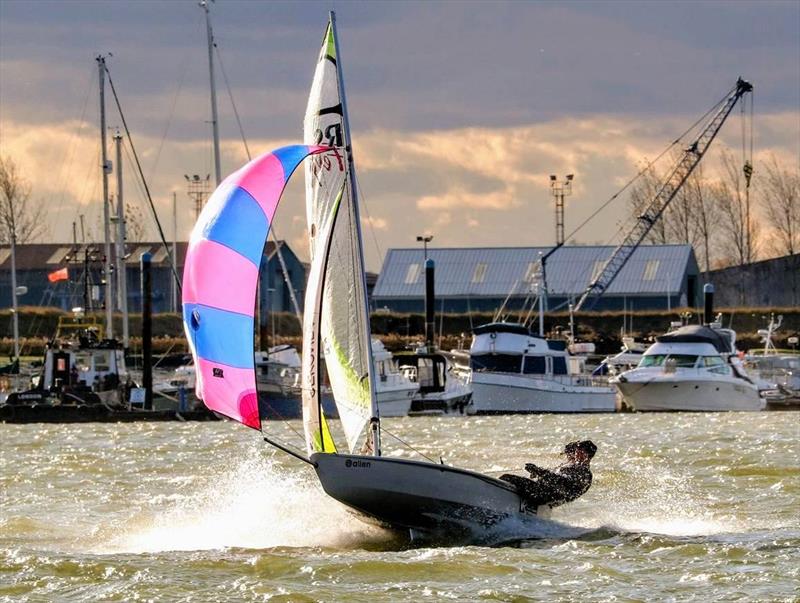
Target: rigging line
94	181
286	421
233	103
67	163
648	164
363	199
144	182
406	444
130	162
185	65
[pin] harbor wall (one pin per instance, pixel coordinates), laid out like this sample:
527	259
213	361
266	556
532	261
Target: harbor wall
774	282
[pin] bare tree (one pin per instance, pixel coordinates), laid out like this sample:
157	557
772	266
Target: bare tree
134	223
691	218
642	193
18	215
704	215
780	199
738	228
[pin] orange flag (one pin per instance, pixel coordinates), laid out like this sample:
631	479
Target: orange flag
58	275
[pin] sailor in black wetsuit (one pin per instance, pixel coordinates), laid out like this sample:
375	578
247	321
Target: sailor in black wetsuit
565	484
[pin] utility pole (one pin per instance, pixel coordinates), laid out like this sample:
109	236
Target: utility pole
14	308
108	298
174	249
214	121
559	190
122	277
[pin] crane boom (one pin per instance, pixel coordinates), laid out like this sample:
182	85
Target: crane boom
688	161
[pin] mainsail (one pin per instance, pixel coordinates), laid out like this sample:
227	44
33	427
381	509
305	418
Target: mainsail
220	278
340	330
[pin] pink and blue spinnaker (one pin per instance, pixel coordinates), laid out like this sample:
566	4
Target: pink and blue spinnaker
220	280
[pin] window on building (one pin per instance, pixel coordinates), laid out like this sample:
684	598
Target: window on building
597	269
650	270
533	273
480	272
412	274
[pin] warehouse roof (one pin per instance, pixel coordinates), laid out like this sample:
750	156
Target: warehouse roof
496	271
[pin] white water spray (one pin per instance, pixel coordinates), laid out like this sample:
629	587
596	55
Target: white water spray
255	505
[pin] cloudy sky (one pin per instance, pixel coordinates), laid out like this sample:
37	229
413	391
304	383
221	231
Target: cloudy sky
459	110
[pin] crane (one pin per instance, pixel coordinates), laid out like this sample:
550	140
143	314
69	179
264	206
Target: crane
688	161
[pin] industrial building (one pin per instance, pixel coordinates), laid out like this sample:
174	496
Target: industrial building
80	285
481	279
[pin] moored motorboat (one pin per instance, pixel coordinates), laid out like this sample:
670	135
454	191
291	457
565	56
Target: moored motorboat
515	371
691	368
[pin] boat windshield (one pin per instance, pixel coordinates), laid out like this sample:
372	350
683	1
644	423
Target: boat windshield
683	360
652	360
677	360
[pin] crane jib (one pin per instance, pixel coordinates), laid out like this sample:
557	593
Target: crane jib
686	164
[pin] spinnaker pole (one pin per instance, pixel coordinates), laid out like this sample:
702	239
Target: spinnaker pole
375	417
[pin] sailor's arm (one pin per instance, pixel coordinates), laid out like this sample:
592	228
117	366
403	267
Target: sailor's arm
537	471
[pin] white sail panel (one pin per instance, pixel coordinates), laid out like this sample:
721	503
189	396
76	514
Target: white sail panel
337	292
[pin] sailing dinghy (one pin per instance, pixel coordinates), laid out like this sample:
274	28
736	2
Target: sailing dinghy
427	500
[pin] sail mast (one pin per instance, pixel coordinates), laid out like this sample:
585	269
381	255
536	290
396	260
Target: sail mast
375	418
214	120
106	165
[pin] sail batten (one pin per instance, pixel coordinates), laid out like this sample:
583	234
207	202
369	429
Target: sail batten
220	281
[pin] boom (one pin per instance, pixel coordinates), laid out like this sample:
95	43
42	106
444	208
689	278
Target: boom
688	161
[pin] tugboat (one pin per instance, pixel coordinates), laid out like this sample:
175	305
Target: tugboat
82	375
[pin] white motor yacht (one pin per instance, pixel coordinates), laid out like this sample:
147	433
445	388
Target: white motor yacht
515	371
693	368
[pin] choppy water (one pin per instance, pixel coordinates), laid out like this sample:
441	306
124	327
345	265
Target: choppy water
685	507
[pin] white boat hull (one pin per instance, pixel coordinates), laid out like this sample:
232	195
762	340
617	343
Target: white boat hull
395	402
424	498
504	393
683	394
